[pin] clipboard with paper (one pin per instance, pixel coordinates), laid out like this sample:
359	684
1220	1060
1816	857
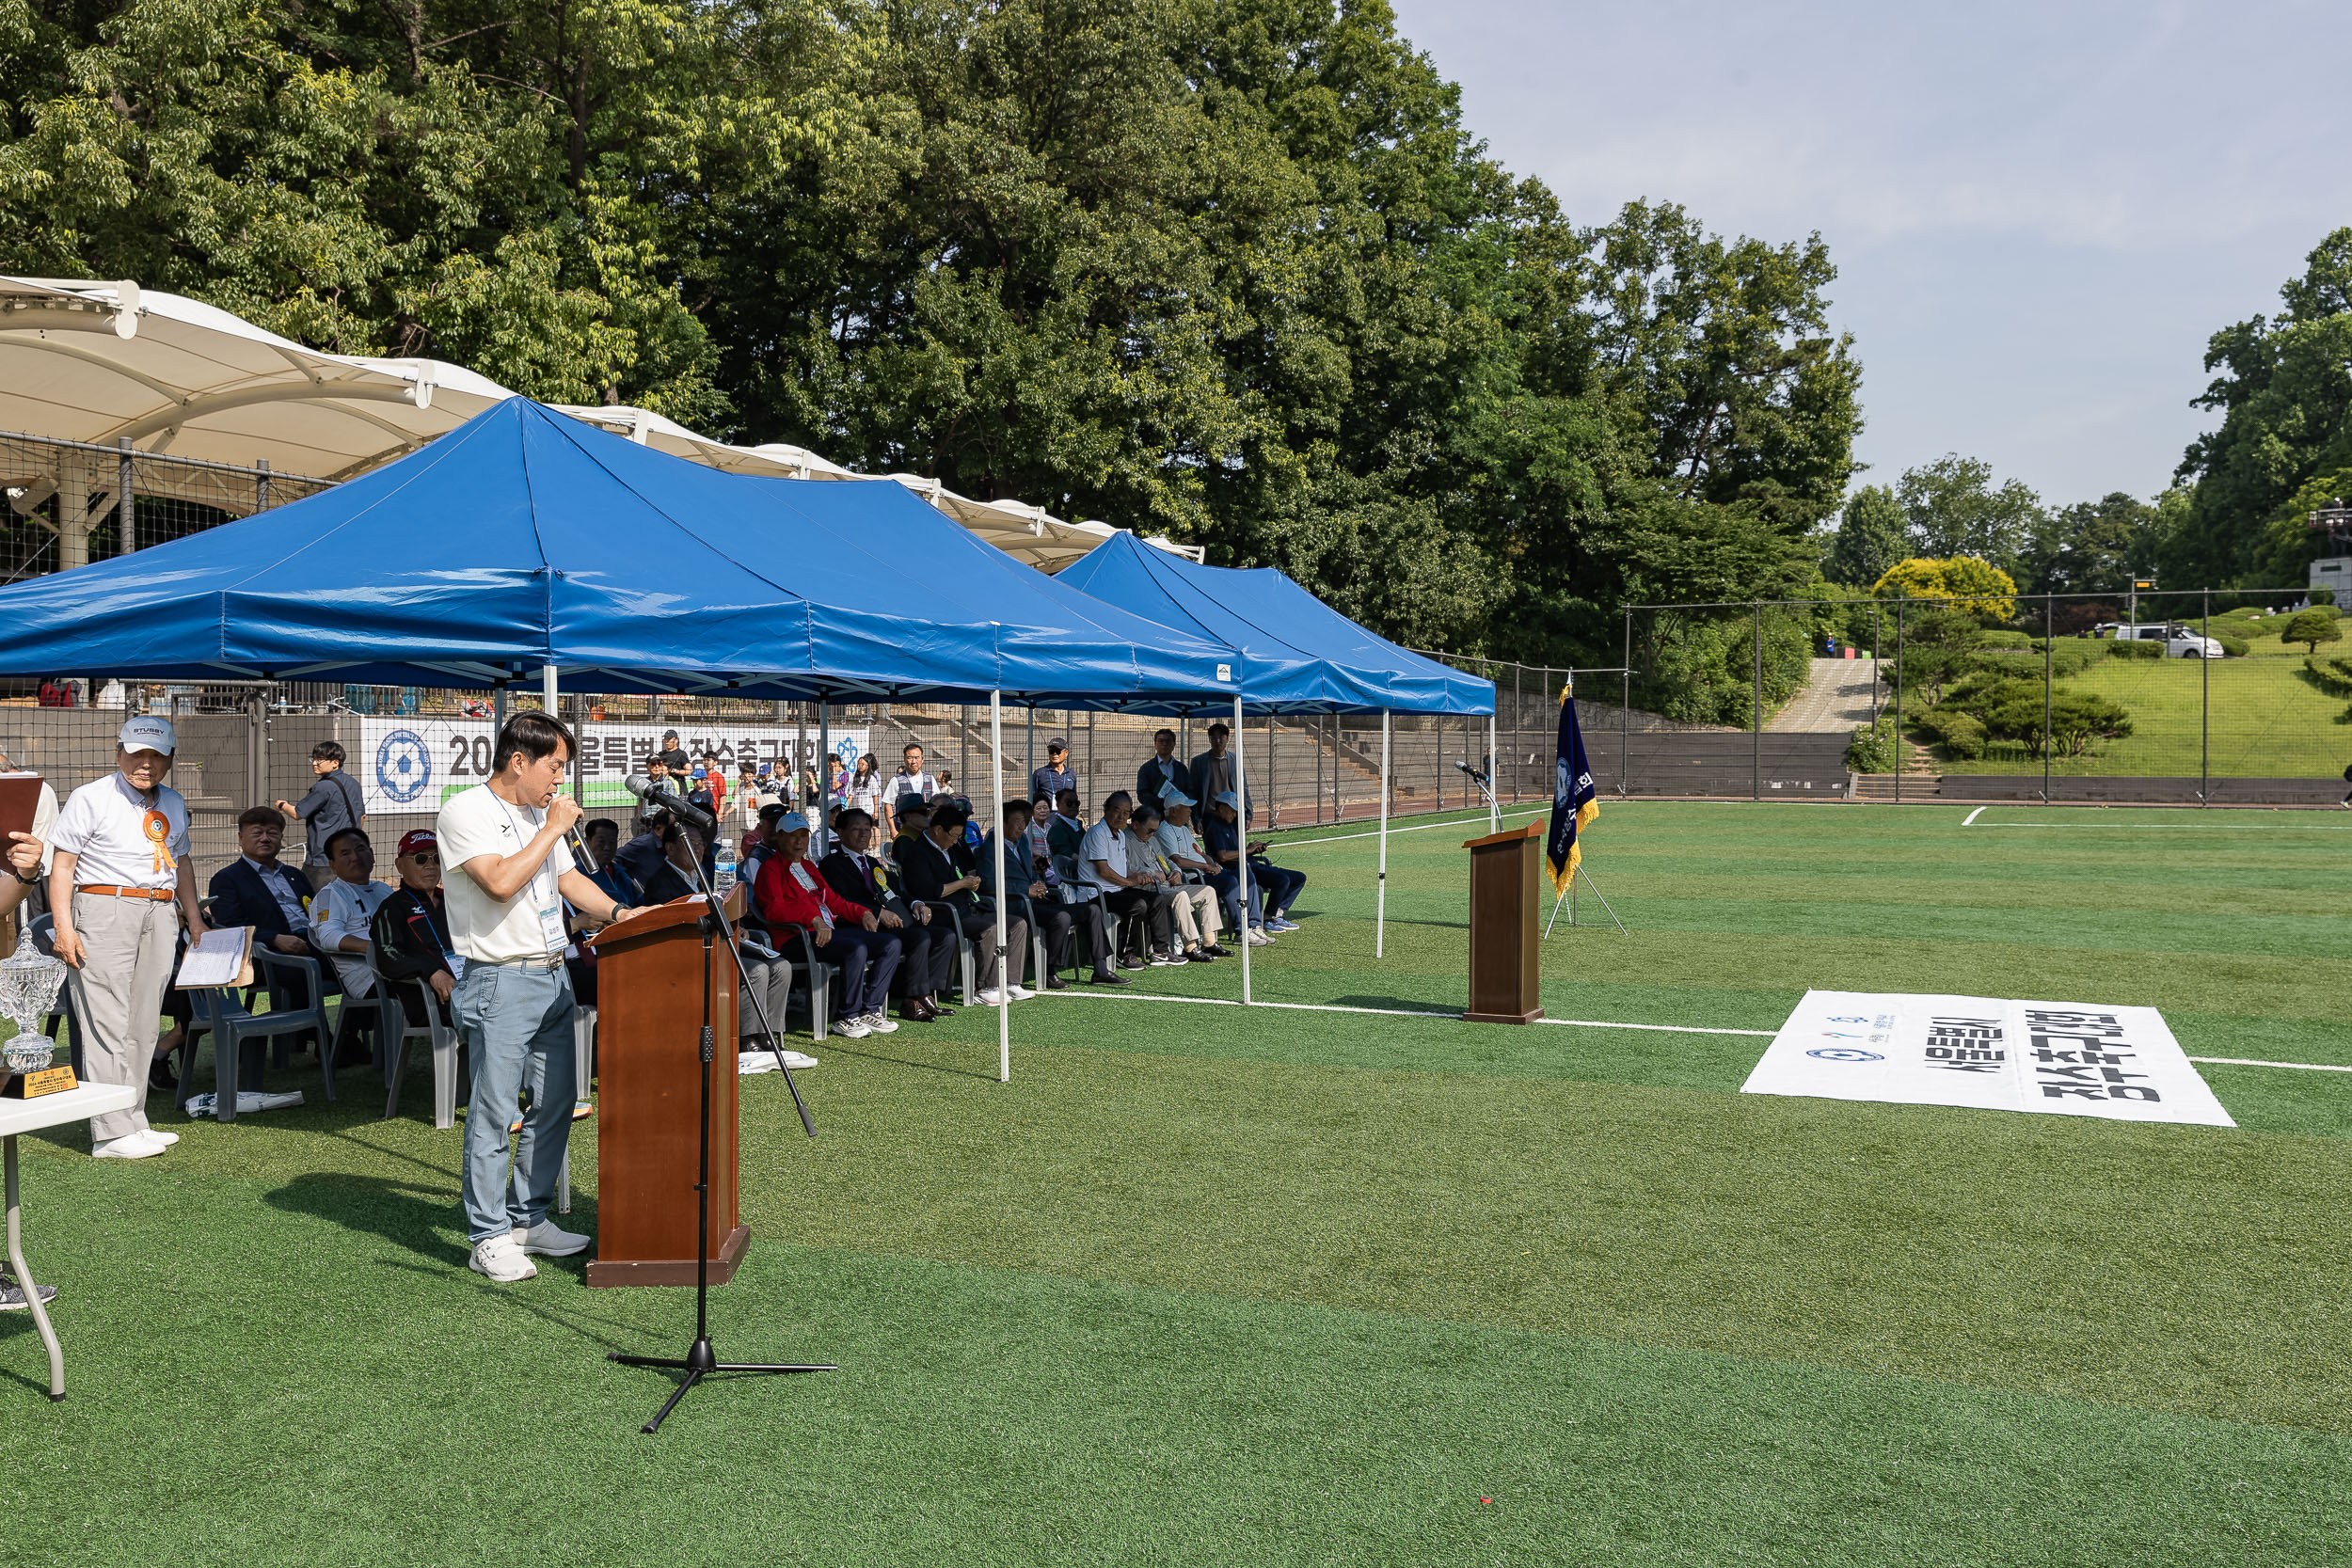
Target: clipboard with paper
223	956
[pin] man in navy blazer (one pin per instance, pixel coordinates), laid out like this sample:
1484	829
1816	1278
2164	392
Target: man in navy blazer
257	890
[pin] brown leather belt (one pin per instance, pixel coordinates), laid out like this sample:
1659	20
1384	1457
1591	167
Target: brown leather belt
160	896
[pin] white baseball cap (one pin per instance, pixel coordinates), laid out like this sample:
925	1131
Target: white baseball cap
147	733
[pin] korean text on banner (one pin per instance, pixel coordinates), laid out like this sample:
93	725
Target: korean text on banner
413	765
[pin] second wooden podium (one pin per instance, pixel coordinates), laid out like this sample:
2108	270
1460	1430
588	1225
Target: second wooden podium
1504	962
649	1017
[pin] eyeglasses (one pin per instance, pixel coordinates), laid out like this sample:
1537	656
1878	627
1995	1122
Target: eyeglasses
425	857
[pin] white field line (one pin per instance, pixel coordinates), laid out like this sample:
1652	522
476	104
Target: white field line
1418	827
2198	826
1974	814
1559	1022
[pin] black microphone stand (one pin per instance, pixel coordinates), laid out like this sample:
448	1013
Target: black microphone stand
700	1360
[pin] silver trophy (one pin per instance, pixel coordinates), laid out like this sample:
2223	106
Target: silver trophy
29	988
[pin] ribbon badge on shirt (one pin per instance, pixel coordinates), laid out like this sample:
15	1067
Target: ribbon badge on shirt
158	829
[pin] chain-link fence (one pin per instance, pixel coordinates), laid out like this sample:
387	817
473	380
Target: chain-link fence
71	502
2212	696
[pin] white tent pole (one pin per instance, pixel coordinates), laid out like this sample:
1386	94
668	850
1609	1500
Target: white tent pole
1241	840
1380	888
1004	890
1494	807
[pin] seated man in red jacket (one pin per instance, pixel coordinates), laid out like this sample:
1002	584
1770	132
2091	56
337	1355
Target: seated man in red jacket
789	892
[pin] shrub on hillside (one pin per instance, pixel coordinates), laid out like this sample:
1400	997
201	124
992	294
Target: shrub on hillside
2077	721
2235	647
2135	650
1873	750
2311	627
2002	639
1962	735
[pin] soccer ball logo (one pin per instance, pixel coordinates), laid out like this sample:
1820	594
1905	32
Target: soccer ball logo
403	765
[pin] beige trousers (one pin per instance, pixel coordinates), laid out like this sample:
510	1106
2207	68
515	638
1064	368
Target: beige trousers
127	945
1197	918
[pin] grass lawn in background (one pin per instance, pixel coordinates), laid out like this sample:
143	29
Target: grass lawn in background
1203	1284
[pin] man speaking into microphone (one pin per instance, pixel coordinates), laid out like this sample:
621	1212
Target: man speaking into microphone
514	997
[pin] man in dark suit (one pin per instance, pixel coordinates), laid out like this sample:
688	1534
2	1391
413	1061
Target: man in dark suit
1163	769
258	890
854	872
928	871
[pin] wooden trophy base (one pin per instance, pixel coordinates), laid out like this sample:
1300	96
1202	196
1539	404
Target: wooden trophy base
32	1085
674	1271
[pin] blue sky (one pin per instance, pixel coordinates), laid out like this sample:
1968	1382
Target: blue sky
2039	213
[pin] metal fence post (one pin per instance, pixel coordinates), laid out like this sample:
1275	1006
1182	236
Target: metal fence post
1898	700
2049	642
1756	788
260	484
2204	706
126	520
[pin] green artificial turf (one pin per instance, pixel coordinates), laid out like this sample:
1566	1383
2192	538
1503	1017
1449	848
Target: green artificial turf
1208	1285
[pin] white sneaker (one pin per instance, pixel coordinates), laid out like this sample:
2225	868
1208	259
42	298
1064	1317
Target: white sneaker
131	1146
1021	993
1259	939
991	997
501	1259
852	1028
879	1025
549	1241
167	1139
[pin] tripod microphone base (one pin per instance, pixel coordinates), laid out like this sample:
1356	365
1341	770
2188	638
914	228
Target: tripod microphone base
699	1362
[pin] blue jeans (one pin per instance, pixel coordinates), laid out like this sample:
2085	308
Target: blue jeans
518	1022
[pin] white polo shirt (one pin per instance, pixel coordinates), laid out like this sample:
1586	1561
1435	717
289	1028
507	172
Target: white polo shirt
475	822
341	910
108	823
1101	844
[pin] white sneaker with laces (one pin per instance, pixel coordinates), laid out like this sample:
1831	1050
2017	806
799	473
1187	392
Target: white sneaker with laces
1021	993
501	1259
852	1028
549	1241
131	1146
880	1023
990	997
167	1139
1259	939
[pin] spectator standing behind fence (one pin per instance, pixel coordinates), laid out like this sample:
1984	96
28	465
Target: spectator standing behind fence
121	863
864	789
333	804
344	911
1213	769
673	755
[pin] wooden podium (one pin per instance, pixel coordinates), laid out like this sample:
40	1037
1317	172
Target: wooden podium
1505	869
649	1015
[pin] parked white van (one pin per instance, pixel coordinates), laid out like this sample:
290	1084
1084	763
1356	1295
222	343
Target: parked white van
2179	641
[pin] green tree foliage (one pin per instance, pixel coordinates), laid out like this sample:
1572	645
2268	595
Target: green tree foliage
1952	508
1232	269
2284	394
2092	547
1871	538
2310	627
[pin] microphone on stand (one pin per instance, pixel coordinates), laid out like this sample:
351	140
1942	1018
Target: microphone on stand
656	796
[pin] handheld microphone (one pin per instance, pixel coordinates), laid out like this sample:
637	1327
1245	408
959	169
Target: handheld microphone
684	809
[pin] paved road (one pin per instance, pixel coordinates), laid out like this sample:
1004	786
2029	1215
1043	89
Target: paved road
1836	697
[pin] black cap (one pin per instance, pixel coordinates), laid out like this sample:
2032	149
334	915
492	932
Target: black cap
1057	744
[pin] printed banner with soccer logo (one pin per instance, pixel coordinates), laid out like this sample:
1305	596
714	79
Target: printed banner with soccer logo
2067	1058
413	765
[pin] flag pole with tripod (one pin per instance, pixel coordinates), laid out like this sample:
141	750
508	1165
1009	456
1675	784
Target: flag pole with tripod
1575	802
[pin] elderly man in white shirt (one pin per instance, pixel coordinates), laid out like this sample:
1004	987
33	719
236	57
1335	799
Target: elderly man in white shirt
344	911
1199	919
1102	864
120	865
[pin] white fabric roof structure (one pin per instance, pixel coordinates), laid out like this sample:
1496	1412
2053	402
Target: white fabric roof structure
98	361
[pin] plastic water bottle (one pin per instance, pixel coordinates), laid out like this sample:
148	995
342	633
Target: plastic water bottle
723	867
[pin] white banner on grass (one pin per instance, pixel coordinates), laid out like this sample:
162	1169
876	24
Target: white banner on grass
413	765
2068	1058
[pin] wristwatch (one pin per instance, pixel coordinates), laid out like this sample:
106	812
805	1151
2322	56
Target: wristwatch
20	876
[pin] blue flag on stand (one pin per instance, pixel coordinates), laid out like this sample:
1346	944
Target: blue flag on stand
1574	800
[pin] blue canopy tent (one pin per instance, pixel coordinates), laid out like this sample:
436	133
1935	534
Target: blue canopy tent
1303	655
527	541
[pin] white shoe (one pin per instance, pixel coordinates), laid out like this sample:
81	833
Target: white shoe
549	1241
852	1028
991	997
879	1025
501	1259
1259	939
167	1139
1021	993
131	1146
